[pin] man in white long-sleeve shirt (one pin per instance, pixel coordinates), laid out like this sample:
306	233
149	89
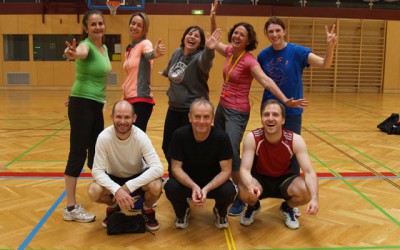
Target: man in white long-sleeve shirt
126	164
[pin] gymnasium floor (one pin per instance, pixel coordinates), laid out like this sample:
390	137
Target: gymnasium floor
358	168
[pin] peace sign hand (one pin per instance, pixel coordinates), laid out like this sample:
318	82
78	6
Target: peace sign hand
70	51
331	38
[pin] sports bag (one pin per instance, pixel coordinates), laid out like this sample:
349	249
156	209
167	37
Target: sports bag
120	223
391	125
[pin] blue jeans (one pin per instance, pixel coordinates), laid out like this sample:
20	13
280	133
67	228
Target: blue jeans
234	123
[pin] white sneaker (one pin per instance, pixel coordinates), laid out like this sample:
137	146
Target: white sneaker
183	223
289	217
78	214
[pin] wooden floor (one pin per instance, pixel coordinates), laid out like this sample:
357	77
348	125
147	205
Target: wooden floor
358	168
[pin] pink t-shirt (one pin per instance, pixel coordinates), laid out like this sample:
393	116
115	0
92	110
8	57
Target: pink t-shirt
235	92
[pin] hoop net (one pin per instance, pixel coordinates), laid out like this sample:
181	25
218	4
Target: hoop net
113	6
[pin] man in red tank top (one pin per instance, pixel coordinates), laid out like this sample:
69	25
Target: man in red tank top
265	170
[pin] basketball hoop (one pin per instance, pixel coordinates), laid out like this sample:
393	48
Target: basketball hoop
113	6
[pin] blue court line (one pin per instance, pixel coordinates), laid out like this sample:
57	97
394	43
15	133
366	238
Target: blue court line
32	234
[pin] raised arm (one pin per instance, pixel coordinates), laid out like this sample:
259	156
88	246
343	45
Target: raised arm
269	84
73	52
221	48
325	62
300	150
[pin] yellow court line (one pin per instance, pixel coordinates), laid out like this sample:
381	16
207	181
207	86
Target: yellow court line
229	239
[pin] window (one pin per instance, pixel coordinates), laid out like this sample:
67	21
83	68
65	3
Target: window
16	47
50	47
113	43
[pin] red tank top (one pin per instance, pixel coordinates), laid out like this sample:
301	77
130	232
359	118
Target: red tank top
273	159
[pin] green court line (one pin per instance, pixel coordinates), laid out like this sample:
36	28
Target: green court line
357	151
35	146
356	190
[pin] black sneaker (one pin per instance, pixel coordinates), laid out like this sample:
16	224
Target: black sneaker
150	219
183	223
220	221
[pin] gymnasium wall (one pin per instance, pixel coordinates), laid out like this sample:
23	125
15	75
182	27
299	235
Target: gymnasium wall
60	74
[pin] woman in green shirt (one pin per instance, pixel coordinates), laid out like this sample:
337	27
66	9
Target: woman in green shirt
85	107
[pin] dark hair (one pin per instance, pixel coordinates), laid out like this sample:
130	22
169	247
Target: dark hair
202	101
273	20
273	101
202	36
85	18
116	103
146	22
251	36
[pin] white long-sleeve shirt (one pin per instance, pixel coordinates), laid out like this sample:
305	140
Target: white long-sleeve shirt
123	158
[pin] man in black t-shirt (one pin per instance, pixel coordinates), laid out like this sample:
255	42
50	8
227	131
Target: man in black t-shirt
201	160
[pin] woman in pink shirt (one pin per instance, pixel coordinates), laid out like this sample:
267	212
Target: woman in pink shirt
138	63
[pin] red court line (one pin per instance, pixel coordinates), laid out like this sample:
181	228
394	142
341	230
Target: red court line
88	175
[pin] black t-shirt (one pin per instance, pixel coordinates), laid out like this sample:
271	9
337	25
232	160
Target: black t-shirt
200	160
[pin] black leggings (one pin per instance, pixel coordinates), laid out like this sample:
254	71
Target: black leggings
86	121
143	112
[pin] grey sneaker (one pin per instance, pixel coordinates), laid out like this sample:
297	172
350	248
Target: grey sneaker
220	221
248	217
183	223
289	217
78	214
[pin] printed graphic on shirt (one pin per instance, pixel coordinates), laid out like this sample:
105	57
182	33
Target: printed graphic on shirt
177	72
276	69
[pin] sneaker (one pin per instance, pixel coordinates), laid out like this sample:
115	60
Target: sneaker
150	219
237	207
78	214
248	217
220	221
289	217
109	212
296	212
183	223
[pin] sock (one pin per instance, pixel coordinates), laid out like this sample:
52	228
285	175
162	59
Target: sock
285	207
70	208
146	208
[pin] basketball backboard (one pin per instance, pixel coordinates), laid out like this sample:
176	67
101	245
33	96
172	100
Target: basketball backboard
125	4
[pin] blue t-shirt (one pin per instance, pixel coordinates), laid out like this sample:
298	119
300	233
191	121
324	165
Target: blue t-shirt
285	67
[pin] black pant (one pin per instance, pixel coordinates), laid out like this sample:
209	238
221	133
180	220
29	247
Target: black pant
178	194
173	121
143	112
86	121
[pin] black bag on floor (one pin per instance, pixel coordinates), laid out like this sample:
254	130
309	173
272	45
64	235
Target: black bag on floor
120	223
391	125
